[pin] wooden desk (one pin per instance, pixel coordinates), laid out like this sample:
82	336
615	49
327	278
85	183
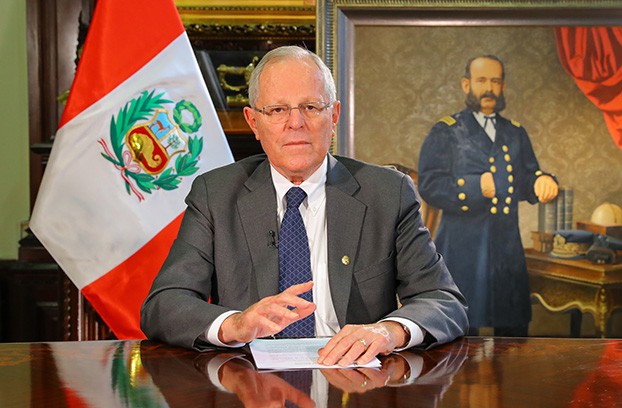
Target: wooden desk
561	285
471	372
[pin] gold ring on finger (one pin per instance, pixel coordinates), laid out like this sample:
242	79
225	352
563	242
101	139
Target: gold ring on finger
364	384
364	343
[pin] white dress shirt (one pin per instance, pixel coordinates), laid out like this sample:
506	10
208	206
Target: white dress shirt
490	128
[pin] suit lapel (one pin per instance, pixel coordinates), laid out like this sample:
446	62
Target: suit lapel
257	211
344	217
500	135
344	214
476	134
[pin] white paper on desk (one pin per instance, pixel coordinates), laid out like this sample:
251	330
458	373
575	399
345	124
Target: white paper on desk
283	354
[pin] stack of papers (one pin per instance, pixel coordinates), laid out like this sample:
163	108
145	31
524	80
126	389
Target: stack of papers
296	354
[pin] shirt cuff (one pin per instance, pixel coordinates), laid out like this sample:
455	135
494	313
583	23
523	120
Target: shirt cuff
416	333
213	368
415	365
211	333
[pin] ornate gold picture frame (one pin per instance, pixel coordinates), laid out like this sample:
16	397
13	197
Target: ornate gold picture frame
340	22
398	66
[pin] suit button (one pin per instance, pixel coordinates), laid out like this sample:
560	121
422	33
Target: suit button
508	200
495	200
493	210
539	173
491	159
460	182
461	196
511	178
493	169
509	167
511	189
505	148
464	208
507	157
345	260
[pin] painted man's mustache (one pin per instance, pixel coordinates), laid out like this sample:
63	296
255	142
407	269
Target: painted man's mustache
475	102
488	95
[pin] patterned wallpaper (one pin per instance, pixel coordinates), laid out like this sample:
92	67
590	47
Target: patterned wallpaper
409	77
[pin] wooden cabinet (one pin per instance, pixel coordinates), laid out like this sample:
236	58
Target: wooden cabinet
31	301
240	137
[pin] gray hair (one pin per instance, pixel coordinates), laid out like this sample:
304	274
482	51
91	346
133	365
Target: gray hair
296	53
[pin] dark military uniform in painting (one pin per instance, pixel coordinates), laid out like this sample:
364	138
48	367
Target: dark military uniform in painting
478	236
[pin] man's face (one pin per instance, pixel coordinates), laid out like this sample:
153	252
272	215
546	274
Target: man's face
486	86
298	146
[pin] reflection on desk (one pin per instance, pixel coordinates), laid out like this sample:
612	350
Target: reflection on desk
470	372
235	372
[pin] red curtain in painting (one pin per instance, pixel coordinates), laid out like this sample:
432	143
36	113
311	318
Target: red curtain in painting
593	57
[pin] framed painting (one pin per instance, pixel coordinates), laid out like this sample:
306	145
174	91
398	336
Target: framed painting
398	67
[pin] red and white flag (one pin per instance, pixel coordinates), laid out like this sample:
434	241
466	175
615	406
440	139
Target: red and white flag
139	125
110	375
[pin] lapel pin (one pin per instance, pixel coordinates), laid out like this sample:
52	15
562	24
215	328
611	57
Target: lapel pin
345	260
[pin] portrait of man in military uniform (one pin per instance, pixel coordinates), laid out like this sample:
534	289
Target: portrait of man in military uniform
476	166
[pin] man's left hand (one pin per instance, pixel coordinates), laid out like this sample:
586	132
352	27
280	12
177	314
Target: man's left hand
361	343
359	380
545	188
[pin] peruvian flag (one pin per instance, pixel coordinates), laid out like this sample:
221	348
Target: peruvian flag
101	375
138	127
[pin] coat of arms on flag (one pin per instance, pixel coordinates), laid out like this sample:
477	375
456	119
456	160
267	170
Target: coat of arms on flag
145	140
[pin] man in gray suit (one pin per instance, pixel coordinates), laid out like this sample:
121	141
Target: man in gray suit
220	283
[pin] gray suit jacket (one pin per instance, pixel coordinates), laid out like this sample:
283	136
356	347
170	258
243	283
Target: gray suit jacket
225	253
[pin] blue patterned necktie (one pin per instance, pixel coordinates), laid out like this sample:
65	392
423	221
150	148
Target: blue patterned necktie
295	260
301	380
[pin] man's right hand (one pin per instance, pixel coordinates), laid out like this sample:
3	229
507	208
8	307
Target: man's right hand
267	317
257	389
487	184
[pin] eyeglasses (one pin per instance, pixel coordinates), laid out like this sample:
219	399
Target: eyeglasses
280	113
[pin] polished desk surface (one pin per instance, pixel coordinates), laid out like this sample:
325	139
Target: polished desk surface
470	372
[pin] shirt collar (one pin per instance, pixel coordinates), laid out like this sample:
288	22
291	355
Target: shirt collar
313	186
481	117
